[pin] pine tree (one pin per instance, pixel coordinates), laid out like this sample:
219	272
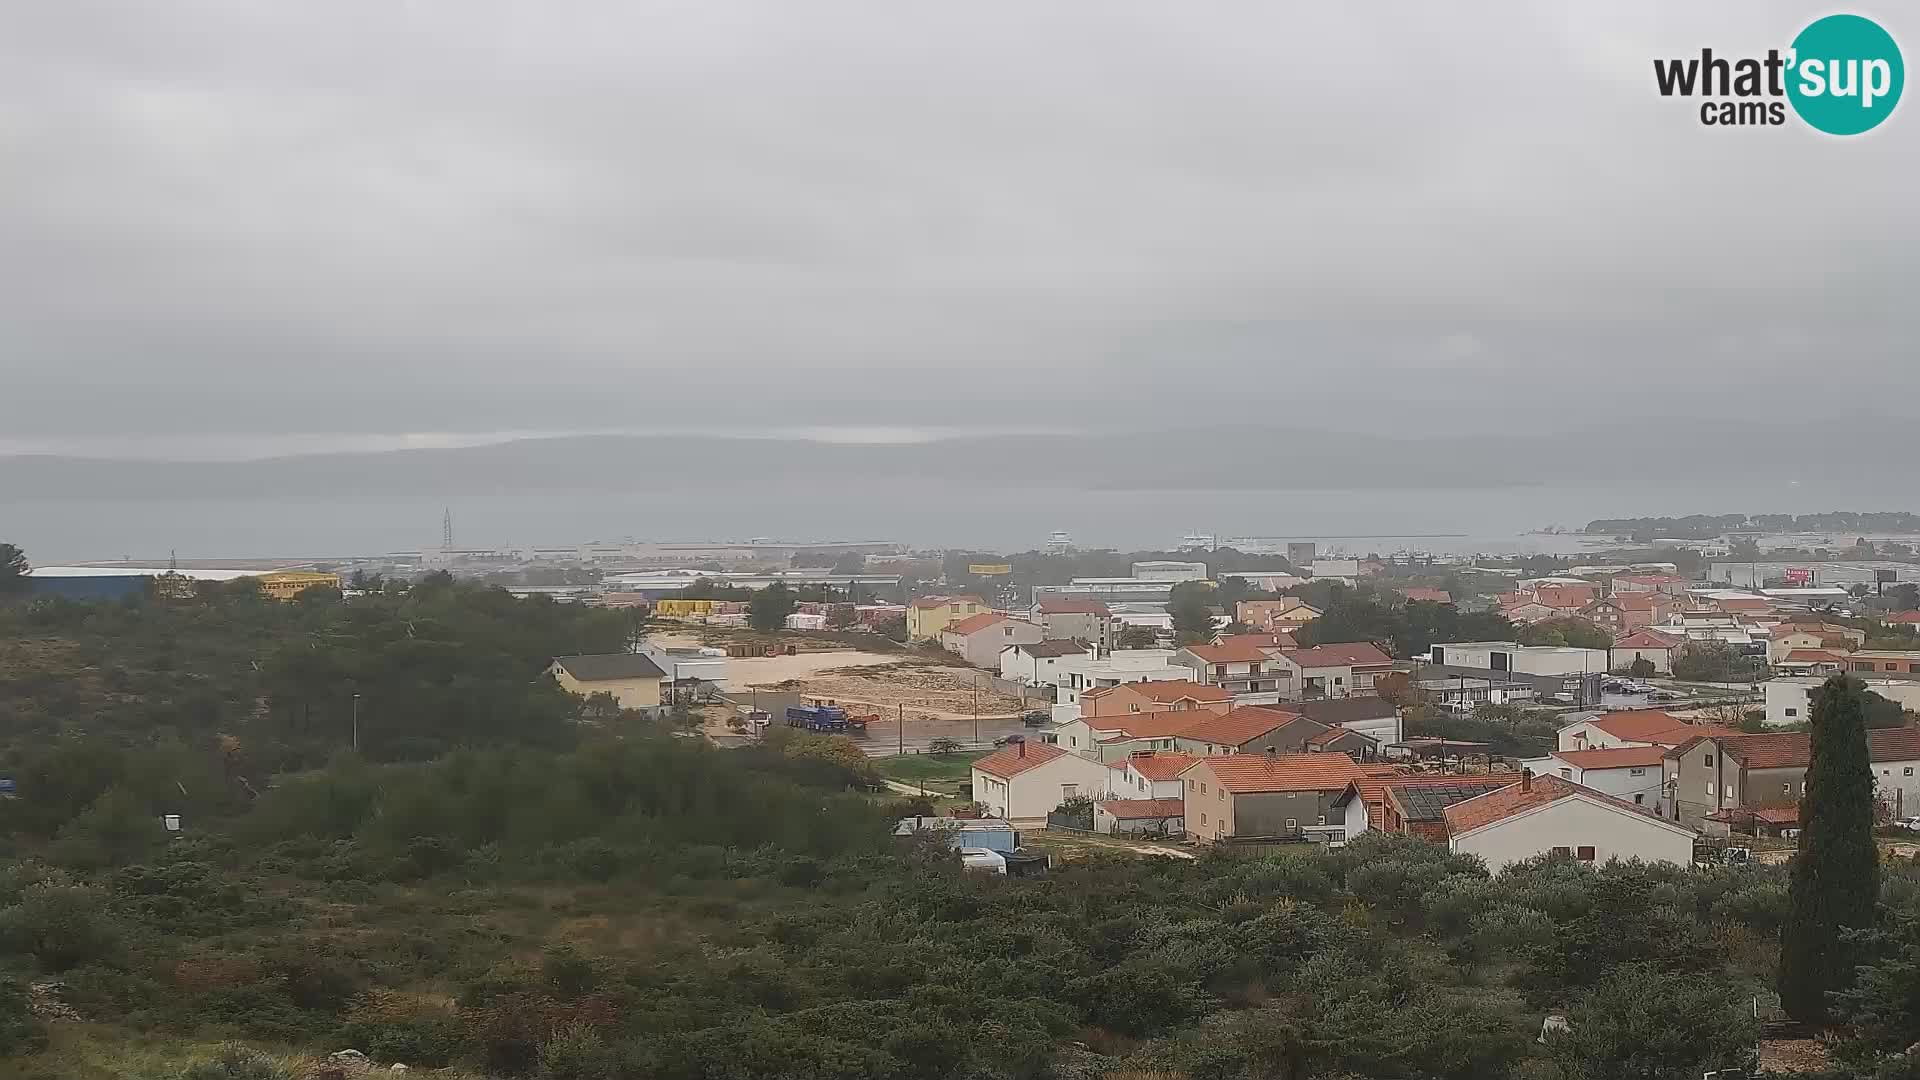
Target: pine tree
1836	875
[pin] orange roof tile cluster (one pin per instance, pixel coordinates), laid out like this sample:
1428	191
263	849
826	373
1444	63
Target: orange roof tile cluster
1568	597
1813	656
1139	809
1238	725
1250	774
1010	761
1344	654
1635	601
1375	790
973	624
1335	734
1159	724
1903	617
1654	726
1625	757
1230	652
1276	640
1159	764
1437	596
1518	797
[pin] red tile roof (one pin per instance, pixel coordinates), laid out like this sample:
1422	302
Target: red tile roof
1438	596
1654	726
1229	652
973	624
1516	798
1159	724
1653	579
1335	734
1247	774
1635	601
1159	764
1646	639
1010	761
1813	656
1238	725
1343	654
1636	757
1275	640
1903	617
1137	809
1894	744
1374	790
1565	596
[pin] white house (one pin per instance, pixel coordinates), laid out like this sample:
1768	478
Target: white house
1028	780
1152	774
1547	815
1037	663
979	638
1790	700
1652	646
1077	675
1632	727
1629	773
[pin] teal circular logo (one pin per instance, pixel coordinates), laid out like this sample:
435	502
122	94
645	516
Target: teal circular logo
1845	74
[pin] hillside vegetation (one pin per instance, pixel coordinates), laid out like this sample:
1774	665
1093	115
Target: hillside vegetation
507	883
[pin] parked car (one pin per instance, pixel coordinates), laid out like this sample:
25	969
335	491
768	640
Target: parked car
1036	718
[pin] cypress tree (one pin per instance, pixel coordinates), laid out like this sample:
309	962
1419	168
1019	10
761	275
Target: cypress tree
1836	875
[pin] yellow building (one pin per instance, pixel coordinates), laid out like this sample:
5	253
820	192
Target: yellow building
929	615
288	584
681	609
631	679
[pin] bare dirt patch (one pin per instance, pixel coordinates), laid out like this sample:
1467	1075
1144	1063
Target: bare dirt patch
925	691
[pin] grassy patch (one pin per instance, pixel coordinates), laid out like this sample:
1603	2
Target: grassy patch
936	769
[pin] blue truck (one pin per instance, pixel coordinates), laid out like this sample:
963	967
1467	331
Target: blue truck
824	716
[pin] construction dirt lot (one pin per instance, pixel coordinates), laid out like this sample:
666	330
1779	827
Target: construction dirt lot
923	691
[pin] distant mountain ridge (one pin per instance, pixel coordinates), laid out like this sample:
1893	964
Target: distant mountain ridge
1230	458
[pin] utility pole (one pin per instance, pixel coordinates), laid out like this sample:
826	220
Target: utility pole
356	723
900	741
976	713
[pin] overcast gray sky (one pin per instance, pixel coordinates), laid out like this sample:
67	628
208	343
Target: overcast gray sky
364	222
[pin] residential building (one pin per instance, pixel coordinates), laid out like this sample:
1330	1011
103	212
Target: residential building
630	679
1652	646
1357	746
978	639
1152	774
1113	739
928	615
1240	666
1548	815
1027	780
1606	615
1333	671
1073	618
1140	817
1885	662
1741	771
1171	695
1632	727
1409	804
1811	662
1038	663
1433	596
1640	610
1248	729
1565	598
1829	637
1336	569
1284	615
1375	717
1514	657
1789	700
1635	774
993	834
1267	795
1077	676
1526	613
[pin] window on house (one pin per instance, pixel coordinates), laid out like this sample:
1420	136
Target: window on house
1191	784
1567	773
1223	794
1640	799
1908	771
1323	819
1293	824
1203	787
1709	760
1068	791
1586	853
1709	787
1636	772
1563	851
1793	712
1786	789
1203	817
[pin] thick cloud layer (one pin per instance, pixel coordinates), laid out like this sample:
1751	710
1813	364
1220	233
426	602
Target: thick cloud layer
297	226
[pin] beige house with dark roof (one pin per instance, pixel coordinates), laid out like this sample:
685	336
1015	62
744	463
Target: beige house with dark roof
631	679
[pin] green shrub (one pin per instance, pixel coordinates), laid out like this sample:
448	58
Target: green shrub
60	925
20	1031
237	1062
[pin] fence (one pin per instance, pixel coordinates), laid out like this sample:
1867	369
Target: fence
1026	692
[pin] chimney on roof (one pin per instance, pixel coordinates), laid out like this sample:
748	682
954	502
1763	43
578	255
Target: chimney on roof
1022	748
1526	779
1270	751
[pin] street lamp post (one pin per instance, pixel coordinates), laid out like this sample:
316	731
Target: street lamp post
356	723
